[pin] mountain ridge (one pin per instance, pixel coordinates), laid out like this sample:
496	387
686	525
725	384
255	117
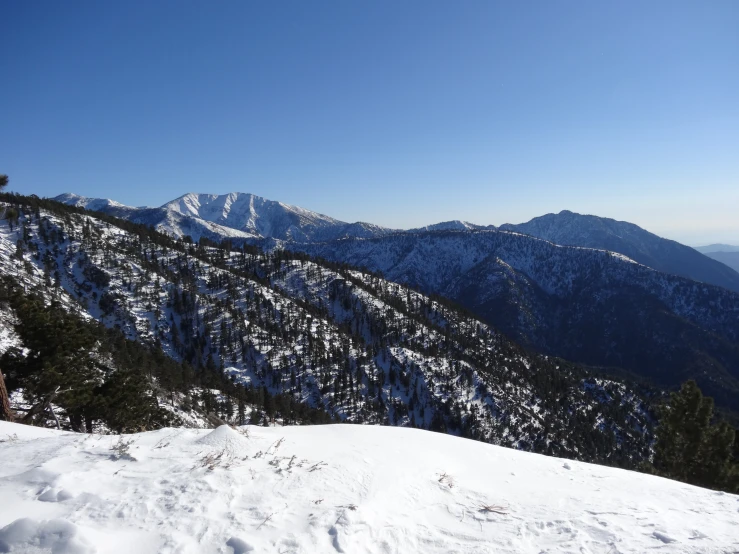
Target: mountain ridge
233	215
572	229
245	216
719	247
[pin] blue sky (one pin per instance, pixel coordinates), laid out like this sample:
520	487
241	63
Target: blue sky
398	113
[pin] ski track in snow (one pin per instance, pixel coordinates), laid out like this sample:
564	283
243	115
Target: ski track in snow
337	488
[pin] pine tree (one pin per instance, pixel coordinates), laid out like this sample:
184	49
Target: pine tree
242	406
689	448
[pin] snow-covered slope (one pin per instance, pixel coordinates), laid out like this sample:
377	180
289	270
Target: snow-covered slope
573	229
337	488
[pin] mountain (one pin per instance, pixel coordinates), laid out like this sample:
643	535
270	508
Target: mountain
717	248
582	304
727	254
298	334
171	222
335	488
730	259
94	204
231	216
572	229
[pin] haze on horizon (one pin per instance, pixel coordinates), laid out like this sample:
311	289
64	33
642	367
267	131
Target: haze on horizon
402	115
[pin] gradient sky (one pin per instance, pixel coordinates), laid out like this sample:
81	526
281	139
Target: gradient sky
399	113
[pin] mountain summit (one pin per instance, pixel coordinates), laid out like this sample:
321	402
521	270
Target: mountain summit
254	214
268	218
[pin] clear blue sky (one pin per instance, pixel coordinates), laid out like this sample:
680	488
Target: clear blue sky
399	113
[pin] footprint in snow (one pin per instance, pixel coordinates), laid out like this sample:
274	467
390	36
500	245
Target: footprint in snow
667	539
55	495
334	532
239	546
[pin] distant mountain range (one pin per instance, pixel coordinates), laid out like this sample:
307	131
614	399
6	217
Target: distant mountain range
730	259
717	248
725	253
588	289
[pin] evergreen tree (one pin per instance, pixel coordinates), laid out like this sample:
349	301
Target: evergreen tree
127	404
689	447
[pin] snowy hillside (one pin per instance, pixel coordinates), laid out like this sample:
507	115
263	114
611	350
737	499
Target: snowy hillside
350	489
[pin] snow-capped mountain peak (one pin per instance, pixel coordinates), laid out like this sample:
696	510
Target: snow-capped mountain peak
253	214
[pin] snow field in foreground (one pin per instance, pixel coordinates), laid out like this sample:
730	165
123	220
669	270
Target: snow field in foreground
336	488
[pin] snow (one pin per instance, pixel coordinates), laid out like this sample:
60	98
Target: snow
225	438
337	488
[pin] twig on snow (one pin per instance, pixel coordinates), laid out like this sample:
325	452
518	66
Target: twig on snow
493	508
266	519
